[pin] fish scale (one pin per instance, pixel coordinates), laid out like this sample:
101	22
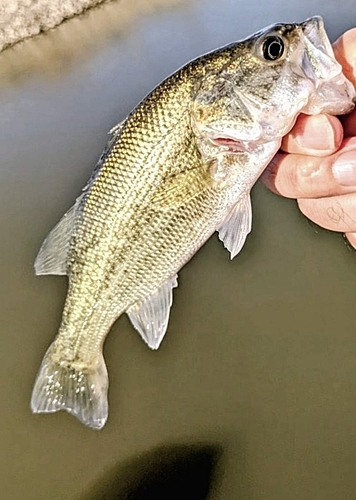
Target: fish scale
177	169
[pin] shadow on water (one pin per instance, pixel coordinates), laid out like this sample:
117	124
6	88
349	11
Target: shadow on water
174	471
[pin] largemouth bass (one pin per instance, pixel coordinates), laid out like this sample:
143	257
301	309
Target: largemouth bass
177	169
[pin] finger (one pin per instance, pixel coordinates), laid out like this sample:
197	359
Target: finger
337	213
344	50
351	239
301	176
318	135
349	124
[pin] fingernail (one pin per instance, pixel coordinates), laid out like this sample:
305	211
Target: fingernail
318	135
344	168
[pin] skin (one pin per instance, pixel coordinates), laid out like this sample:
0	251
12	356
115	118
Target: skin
306	167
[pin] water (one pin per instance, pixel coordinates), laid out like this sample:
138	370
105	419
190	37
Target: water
253	391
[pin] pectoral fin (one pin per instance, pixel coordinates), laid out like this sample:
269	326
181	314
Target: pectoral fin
52	257
178	190
150	317
236	226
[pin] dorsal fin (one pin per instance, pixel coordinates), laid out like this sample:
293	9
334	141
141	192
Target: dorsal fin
52	257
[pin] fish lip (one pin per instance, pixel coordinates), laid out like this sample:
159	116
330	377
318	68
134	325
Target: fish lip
312	23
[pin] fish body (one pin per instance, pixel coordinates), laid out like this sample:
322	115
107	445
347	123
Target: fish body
179	168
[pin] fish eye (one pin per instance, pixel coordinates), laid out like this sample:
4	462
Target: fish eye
273	48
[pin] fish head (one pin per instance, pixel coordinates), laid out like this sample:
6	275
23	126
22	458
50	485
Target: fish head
252	91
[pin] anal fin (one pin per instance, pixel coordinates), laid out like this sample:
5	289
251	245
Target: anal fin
236	226
52	257
150	317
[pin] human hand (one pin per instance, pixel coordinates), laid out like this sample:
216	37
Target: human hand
317	161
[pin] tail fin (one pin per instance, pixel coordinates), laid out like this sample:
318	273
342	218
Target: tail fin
61	386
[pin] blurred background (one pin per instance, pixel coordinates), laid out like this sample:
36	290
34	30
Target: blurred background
252	394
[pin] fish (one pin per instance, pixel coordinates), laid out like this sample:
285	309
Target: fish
177	169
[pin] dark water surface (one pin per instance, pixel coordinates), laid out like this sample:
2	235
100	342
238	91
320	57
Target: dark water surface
252	394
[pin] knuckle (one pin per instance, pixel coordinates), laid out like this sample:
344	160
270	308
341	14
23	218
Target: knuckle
302	175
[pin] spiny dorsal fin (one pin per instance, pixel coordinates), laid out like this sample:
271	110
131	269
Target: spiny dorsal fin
117	128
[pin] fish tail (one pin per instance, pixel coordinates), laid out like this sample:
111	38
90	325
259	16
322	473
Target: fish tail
61	385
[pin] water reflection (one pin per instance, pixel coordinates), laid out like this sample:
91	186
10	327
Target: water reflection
54	51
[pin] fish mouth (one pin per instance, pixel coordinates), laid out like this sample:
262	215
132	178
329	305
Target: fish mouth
333	94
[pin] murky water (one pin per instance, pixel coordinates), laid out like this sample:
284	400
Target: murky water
252	394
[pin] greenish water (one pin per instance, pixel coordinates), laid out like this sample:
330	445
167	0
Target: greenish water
252	394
